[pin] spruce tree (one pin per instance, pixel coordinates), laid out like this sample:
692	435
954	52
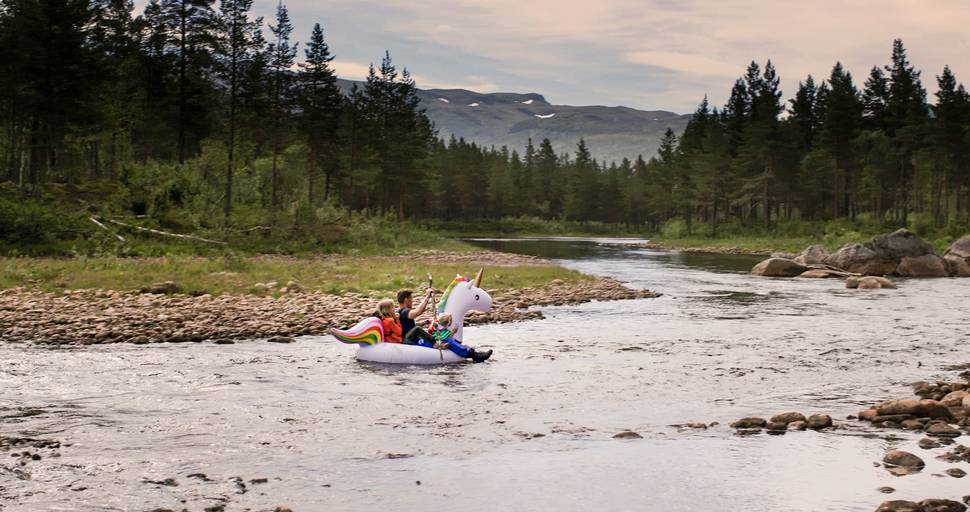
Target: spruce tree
236	47
282	55
321	105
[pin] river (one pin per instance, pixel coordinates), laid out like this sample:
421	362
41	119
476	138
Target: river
532	429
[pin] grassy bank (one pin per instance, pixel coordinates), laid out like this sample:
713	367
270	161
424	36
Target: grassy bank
248	275
795	236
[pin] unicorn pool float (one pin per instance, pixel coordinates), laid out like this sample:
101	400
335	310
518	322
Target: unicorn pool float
459	298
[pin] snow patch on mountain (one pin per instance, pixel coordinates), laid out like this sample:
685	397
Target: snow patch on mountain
473	104
546	116
527	102
444	100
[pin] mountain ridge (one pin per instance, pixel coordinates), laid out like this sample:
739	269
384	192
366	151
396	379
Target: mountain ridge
510	119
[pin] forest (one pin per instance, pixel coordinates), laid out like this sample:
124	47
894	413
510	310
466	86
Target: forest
204	118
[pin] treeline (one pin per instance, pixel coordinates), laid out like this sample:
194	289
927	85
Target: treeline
204	116
199	108
881	153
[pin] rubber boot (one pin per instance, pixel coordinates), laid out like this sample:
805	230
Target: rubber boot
480	357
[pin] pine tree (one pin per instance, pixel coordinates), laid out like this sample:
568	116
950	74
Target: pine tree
875	97
841	120
321	103
282	55
236	47
906	112
189	26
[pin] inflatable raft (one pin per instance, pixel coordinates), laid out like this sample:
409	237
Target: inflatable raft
461	297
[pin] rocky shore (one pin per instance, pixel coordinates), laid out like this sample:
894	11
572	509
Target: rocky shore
900	254
157	314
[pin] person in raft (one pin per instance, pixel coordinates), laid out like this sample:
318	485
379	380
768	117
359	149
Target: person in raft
389	320
413	333
442	335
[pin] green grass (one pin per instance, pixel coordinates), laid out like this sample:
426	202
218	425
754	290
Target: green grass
239	275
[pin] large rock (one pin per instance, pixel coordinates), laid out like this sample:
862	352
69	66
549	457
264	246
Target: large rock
927	265
919	408
960	248
861	259
903	459
900	506
958	267
813	255
957	257
778	267
819	421
900	244
954	399
938	505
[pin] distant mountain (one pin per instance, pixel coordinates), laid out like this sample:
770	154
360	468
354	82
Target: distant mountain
509	119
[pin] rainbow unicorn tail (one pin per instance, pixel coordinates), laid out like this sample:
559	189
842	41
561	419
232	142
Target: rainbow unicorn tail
368	331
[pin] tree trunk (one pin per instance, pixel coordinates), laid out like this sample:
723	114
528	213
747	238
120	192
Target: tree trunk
182	72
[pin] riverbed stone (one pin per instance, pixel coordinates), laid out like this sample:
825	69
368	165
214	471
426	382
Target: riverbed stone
903	459
912	424
819	421
927	265
928	443
787	417
956	472
776	426
942	430
778	267
750	422
627	434
797	425
900	506
280	339
875	283
954	398
940	505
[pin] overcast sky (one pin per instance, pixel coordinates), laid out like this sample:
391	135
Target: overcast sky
651	54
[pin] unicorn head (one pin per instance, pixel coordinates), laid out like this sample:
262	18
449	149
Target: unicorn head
461	297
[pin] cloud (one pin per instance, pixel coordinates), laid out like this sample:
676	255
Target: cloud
642	53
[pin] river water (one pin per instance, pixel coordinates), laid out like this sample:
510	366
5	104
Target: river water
532	429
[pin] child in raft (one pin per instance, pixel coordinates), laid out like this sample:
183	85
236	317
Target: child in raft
389	320
441	330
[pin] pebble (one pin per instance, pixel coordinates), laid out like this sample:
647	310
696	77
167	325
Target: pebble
956	472
903	459
752	422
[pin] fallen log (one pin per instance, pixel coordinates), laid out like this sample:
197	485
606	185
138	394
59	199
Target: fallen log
102	226
166	233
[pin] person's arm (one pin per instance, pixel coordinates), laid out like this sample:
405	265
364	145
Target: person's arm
418	311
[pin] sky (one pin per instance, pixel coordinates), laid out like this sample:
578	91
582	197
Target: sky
648	54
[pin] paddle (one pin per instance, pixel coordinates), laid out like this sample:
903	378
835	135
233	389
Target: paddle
434	314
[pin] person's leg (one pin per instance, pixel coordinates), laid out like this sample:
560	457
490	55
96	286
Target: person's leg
458	348
416	335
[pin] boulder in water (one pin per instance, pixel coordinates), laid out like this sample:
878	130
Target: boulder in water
812	255
957	257
900	244
927	265
861	259
900	506
903	459
778	267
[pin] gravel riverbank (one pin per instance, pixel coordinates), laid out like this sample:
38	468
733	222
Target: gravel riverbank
105	316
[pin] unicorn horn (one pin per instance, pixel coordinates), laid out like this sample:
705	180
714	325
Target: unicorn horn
478	278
